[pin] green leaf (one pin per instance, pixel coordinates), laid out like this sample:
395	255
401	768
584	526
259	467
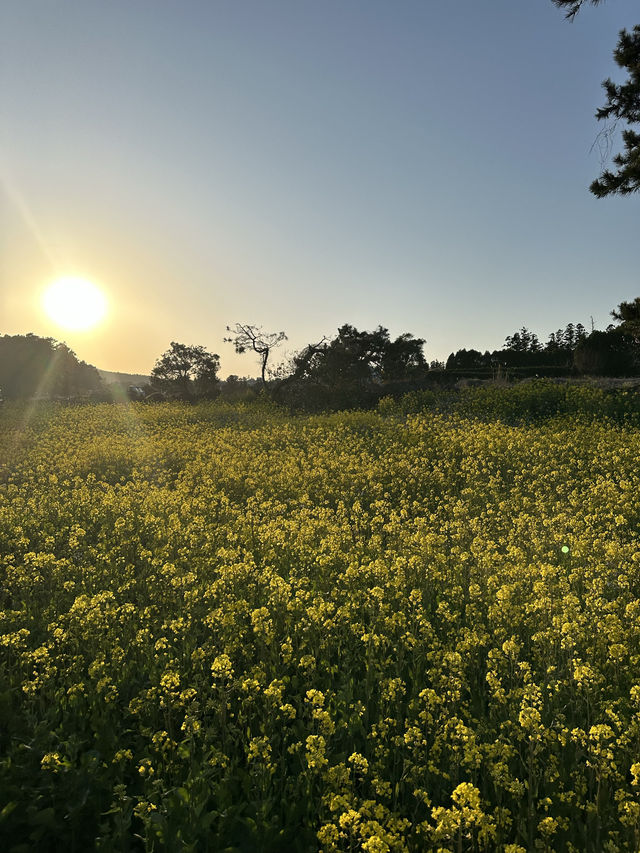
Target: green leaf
44	817
6	811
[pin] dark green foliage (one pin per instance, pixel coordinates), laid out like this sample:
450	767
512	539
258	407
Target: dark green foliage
623	104
357	369
523	350
187	372
34	366
574	6
529	401
522	341
348	371
238	390
628	315
469	360
522	355
609	353
401	359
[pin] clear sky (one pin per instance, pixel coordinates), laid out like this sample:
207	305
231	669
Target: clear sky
417	164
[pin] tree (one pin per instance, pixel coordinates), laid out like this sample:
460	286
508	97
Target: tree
471	359
570	336
565	340
35	366
402	358
351	369
187	372
246	337
573	6
628	315
609	353
364	357
623	104
522	341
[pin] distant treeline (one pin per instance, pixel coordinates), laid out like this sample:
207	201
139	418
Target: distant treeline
354	369
357	369
569	350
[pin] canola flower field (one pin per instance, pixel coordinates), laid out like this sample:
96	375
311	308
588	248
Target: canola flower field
228	629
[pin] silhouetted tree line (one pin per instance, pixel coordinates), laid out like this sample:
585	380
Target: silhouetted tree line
353	369
614	352
356	369
31	366
523	353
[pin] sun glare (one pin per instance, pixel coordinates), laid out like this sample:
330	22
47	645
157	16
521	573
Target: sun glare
74	303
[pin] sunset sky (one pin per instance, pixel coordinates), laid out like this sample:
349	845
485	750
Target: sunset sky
417	164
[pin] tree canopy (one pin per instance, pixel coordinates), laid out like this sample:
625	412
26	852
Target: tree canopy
187	372
609	353
622	105
247	337
349	369
628	315
34	366
358	358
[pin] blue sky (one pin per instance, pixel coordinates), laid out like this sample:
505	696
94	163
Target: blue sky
300	165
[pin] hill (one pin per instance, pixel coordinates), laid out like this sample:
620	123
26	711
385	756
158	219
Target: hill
110	377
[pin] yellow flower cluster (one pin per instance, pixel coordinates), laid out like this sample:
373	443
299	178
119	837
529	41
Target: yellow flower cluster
225	628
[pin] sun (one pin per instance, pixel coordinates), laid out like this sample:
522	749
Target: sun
74	303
